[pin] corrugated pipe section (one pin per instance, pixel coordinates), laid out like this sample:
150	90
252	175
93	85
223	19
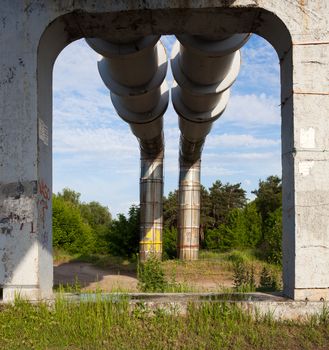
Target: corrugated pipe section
204	69
135	74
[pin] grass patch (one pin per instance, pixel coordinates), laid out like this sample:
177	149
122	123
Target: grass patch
61	257
115	325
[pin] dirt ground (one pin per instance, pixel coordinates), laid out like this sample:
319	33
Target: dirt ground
91	277
113	278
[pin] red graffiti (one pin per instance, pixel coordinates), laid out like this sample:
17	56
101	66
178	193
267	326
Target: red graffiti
43	206
43	202
44	190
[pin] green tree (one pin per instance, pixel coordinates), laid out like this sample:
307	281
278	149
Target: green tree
99	218
206	220
233	233
215	238
123	236
253	225
223	199
268	200
95	214
268	196
70	232
170	209
169	242
273	243
71	196
242	229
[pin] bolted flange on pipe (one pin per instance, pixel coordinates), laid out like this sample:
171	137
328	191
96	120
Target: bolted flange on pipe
204	70
135	73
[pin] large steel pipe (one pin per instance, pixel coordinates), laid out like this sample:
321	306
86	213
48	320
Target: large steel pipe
134	73
204	69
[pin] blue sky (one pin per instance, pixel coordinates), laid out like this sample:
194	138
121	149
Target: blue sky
96	154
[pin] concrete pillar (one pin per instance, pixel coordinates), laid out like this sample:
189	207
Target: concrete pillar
305	167
26	266
135	72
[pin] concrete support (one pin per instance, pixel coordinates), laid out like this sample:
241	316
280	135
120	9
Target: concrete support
32	34
135	72
204	70
305	167
25	165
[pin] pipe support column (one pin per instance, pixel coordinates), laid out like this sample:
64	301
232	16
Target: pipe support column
135	72
189	210
204	70
151	194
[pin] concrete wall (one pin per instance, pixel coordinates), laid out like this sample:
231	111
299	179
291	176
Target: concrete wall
33	32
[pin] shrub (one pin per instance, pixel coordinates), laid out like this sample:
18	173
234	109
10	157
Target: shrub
123	236
268	280
151	276
169	243
237	256
244	277
274	237
70	232
216	238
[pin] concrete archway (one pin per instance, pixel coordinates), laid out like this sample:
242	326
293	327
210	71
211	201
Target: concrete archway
40	31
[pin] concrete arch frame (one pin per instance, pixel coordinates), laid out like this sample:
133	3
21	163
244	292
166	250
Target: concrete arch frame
32	34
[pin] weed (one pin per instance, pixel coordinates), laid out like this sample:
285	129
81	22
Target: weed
151	277
324	316
268	280
69	288
237	256
244	277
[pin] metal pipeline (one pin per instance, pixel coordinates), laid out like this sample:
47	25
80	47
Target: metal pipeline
135	74
204	69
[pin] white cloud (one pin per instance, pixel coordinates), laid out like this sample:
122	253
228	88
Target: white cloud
237	156
239	140
236	140
260	69
76	69
95	141
252	110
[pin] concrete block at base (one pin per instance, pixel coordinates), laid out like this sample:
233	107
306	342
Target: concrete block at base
255	304
10	294
311	294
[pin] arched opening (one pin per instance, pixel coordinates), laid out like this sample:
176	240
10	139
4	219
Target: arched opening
94	34
96	154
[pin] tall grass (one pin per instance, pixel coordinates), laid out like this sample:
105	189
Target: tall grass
100	324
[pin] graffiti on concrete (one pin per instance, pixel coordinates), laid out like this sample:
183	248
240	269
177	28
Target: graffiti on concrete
43	205
44	193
